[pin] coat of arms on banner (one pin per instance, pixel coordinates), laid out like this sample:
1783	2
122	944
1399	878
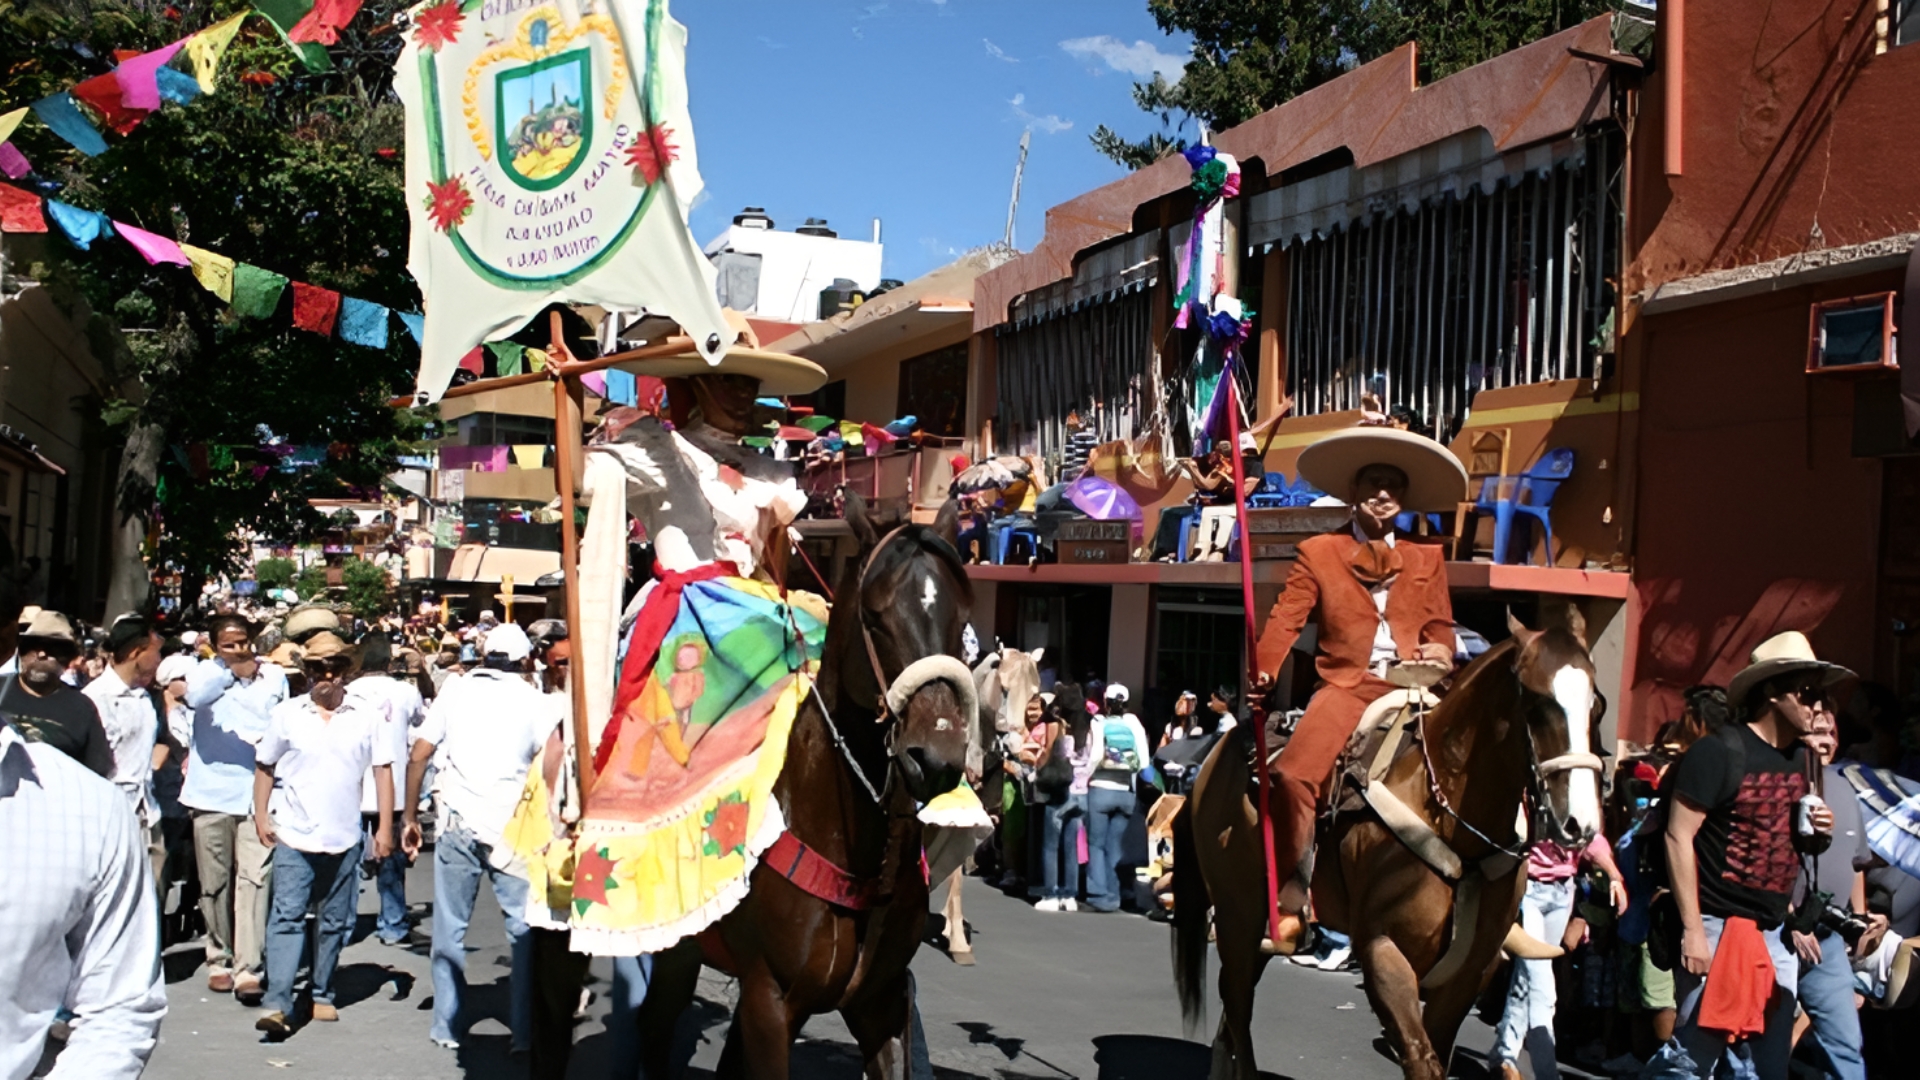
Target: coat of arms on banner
549	157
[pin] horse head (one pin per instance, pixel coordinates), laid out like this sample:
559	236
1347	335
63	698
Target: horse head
912	601
1562	706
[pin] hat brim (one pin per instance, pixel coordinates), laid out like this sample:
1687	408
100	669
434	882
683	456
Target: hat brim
1436	481
780	374
44	640
1755	674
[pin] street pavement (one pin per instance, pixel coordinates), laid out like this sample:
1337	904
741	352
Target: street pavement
1052	995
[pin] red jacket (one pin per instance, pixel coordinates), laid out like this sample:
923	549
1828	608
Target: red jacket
1418	608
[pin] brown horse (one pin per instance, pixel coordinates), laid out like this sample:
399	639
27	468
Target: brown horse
849	791
1517	722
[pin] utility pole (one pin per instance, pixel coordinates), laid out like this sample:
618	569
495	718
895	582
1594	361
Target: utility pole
1019	171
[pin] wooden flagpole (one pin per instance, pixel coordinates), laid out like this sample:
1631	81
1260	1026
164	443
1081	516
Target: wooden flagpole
567	413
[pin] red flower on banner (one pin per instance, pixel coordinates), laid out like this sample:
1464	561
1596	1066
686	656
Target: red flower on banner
727	827
653	153
258	78
448	202
438	25
592	877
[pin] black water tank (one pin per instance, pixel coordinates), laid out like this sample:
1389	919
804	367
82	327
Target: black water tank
842	295
816	227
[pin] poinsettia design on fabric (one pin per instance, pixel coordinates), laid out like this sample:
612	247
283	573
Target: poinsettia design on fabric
448	202
653	153
592	877
438	25
726	827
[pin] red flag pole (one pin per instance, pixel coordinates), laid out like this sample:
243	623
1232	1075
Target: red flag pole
1255	713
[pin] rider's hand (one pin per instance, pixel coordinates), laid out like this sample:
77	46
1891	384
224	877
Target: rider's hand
1694	952
1434	652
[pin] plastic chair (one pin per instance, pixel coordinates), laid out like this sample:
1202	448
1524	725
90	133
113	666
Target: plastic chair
1271	493
1532	497
1302	493
1187	522
1012	528
1407	522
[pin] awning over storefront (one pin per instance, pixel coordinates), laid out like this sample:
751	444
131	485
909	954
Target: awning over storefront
1124	266
479	562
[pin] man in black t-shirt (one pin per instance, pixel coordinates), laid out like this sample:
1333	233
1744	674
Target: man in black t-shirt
1733	851
44	709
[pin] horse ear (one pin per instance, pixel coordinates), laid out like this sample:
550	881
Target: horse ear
947	523
1037	654
1577	624
855	511
1519	630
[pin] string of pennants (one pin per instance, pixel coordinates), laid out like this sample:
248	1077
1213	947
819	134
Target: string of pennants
123	98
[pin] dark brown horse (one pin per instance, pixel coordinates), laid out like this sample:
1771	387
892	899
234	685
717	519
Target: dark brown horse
850	788
1517	722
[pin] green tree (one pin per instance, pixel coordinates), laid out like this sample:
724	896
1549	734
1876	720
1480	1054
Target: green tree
312	582
369	589
293	171
274	573
1251	55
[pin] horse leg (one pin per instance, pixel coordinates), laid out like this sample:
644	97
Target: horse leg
880	1024
958	946
760	1046
675	974
1394	992
1240	966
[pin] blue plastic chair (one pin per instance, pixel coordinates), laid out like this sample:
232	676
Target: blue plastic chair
1302	493
1407	522
1532	497
1009	529
1271	493
1187	522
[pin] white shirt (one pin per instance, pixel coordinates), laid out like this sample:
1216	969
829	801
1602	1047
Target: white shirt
1097	748
79	925
229	717
132	725
487	726
317	766
1385	653
403	709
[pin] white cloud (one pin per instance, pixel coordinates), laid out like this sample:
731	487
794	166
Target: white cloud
1142	58
997	52
1050	124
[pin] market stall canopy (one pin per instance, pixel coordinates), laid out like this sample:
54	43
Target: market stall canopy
992	474
550	158
480	562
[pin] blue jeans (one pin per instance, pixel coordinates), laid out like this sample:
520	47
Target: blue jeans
390	878
1770	1050
299	879
1059	848
1826	995
631	974
459	862
1528	1019
1108	813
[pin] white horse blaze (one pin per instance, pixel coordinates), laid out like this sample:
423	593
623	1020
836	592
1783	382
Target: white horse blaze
929	595
1573	689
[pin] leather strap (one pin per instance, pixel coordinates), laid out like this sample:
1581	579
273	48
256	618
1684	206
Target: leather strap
817	876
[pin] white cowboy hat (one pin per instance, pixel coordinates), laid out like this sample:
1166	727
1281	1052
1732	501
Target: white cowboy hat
1778	655
780	374
1435	478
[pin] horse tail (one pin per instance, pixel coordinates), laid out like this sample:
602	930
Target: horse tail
1191	905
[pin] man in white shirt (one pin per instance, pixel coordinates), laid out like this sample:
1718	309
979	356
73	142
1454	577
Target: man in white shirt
124	698
306	797
482	733
231	696
402	711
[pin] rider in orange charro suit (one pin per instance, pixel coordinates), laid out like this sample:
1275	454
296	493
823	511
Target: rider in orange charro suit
1381	603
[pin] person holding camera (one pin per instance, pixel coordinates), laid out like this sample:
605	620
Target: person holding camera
1743	810
1830	924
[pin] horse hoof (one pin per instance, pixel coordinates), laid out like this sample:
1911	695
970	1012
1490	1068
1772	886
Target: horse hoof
963	958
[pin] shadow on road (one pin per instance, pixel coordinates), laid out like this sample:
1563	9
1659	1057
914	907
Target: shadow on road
354	983
1155	1057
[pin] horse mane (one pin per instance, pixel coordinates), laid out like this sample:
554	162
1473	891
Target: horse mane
1461	706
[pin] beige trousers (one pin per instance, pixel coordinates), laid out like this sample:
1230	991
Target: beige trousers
235	875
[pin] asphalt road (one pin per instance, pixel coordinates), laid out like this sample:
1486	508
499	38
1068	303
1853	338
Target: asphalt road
1052	995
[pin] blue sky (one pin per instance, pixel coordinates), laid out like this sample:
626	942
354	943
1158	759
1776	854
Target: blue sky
911	111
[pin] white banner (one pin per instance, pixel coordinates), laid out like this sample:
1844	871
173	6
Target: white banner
550	158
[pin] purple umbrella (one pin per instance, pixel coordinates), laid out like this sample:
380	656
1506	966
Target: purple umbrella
1103	500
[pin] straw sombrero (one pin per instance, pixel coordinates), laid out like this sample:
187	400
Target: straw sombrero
780	374
1778	655
1435	478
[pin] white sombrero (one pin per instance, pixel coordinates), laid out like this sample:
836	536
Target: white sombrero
1778	655
1435	478
780	374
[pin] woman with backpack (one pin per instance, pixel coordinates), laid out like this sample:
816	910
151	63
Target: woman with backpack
1118	750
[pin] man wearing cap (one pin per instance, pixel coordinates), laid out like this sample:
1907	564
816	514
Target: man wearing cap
1381	602
43	707
481	734
306	799
232	696
1736	829
123	695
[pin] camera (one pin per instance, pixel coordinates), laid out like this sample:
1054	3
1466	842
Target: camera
1820	912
